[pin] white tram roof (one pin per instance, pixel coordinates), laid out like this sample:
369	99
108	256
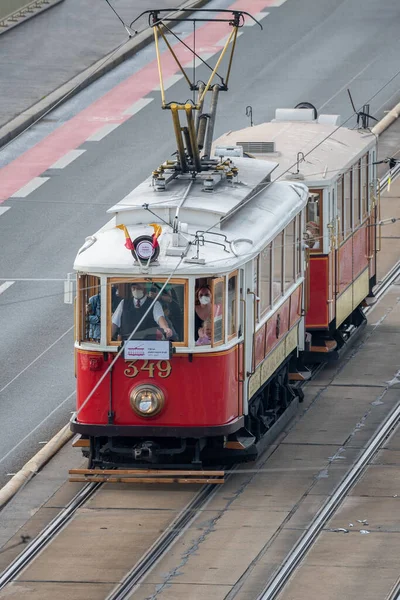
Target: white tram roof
333	149
249	221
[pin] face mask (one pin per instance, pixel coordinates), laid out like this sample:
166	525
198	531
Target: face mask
204	300
137	294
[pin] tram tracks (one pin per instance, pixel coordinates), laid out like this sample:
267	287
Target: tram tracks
293	559
142	567
48	533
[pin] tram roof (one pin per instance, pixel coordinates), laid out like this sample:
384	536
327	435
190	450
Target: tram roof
332	149
197	206
241	235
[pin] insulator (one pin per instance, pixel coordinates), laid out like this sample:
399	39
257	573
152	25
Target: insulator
160	184
208	184
202	131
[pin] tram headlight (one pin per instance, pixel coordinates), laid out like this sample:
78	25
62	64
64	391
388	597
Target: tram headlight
147	400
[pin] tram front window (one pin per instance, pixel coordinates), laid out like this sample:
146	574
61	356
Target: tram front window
149	310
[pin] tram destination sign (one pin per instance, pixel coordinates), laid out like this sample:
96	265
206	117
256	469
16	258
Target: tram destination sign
147	350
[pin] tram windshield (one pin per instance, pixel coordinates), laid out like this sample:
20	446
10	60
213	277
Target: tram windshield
149	309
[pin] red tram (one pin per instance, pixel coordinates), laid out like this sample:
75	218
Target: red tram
338	166
214	284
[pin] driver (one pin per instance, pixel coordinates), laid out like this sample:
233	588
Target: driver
131	310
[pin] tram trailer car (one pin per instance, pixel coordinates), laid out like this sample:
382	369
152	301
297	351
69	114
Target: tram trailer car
338	166
210	394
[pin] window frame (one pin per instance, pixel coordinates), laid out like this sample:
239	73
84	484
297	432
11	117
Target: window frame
125	279
287	285
357	208
236	311
365	185
348	209
86	288
320	193
260	310
214	282
339	206
274	300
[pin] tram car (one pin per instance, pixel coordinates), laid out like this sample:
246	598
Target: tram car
338	166
218	280
185	327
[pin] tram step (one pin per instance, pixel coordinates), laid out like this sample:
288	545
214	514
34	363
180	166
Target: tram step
80	442
241	440
145	476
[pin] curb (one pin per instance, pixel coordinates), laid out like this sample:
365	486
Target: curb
102	66
33	466
26	12
387	120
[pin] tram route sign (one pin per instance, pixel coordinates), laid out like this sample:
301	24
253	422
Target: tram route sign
147	350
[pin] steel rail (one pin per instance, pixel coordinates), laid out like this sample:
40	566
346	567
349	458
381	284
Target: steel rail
300	550
47	534
163	544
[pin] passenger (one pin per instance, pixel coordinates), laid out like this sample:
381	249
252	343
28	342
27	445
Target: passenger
93	311
204	334
171	307
175	337
131	310
311	235
115	297
202	308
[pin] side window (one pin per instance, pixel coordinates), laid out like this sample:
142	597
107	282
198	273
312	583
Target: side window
290	256
89	308
277	250
218	310
347	199
314	220
232	304
299	242
339	204
356	193
264	282
365	184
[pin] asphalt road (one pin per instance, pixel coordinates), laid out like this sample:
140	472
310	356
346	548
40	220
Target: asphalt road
309	51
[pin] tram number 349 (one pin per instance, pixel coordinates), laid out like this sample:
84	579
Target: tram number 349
162	368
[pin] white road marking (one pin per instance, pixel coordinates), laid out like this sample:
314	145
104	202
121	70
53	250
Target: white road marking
5	286
28	435
137	106
33	185
198	62
278	3
67	159
101	133
259	16
4	209
225	39
36	359
169	82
